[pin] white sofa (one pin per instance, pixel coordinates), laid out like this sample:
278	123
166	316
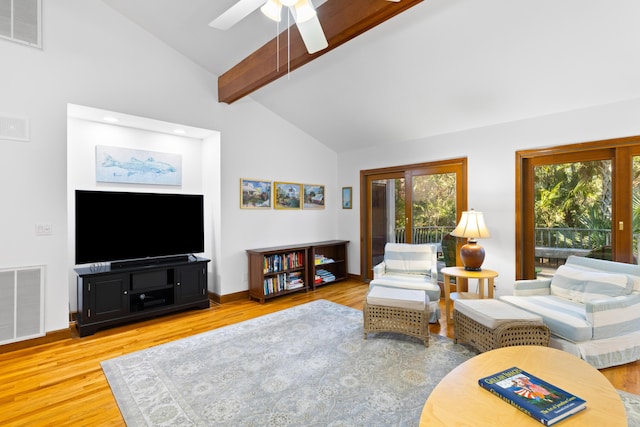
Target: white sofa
411	267
591	306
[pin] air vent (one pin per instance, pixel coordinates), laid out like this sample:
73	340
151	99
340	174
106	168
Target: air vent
21	303
14	128
21	21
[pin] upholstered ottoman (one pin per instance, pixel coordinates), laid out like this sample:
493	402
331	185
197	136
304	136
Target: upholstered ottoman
488	324
400	310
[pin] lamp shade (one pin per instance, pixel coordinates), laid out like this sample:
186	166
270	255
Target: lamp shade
472	227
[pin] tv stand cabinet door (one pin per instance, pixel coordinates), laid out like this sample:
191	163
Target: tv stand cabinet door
191	284
107	297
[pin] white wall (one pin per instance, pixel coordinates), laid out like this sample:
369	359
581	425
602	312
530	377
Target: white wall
92	56
491	169
265	147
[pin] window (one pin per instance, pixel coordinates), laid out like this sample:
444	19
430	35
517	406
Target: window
580	199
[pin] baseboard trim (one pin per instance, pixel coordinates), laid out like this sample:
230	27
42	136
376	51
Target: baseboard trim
49	337
221	299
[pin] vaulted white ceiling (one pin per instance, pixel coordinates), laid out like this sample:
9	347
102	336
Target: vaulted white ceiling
441	66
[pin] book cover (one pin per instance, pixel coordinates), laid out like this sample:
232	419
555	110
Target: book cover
532	395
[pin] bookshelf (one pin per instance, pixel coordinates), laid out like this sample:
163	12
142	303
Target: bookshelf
328	262
277	271
281	270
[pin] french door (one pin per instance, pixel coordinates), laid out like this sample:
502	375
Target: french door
409	204
581	199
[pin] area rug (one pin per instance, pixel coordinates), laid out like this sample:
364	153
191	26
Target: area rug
632	406
307	365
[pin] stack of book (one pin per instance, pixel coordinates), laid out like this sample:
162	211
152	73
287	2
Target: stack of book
321	259
325	276
295	280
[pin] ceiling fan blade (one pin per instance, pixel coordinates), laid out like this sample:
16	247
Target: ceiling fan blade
235	14
312	35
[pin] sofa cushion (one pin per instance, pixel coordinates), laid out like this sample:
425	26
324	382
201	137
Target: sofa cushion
408	281
565	318
397	297
492	313
408	259
584	285
631	270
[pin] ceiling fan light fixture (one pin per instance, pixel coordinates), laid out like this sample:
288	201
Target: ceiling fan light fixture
272	9
303	11
288	3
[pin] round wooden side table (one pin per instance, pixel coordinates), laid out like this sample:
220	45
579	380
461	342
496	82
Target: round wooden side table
483	276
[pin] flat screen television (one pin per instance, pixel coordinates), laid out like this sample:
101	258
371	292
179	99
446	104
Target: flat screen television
115	226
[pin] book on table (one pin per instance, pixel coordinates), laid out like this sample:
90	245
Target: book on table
532	395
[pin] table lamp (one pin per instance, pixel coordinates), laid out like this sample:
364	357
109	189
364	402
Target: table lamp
472	227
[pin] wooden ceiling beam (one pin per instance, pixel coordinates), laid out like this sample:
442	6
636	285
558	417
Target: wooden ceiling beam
341	21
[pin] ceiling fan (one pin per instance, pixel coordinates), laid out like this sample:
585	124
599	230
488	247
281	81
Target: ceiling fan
303	12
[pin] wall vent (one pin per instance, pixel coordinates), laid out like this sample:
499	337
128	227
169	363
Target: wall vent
21	304
21	21
13	127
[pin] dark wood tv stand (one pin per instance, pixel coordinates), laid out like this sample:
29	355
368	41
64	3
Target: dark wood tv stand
108	296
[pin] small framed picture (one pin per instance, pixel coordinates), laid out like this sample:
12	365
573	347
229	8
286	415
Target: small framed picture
346	197
313	196
255	194
287	195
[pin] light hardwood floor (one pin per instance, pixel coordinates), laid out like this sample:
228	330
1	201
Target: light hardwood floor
62	383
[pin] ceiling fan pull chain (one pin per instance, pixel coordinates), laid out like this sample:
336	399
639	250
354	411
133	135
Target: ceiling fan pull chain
277	46
288	45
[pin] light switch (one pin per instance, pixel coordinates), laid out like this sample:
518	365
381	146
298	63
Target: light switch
44	229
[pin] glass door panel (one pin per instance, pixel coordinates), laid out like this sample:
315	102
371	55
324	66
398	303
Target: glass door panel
433	208
572	212
409	204
387	215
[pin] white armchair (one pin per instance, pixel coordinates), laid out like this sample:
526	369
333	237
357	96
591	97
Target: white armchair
411	267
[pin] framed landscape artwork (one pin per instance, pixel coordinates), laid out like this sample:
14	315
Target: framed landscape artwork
287	195
346	197
313	196
255	194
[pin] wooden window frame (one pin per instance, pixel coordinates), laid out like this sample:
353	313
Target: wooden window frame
619	151
455	165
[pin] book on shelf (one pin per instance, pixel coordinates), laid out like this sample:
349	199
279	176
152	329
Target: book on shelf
321	259
295	280
325	276
532	395
281	262
283	282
